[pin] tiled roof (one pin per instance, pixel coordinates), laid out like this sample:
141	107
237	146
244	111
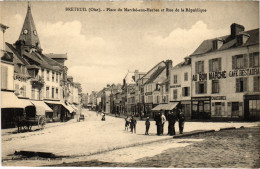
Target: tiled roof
206	46
155	75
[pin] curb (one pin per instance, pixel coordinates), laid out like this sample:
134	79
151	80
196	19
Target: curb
227	128
193	133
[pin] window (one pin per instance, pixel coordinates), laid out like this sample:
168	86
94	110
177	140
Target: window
23	91
241	84
199	67
235	109
256	83
218	108
186	76
17	88
47	92
254	59
201	87
4	77
57	77
57	93
53	74
48	75
239	61
215	86
175	92
42	74
52	93
175	79
215	65
185	91
167	87
33	93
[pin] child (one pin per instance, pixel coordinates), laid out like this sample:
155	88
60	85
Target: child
126	123
147	124
103	117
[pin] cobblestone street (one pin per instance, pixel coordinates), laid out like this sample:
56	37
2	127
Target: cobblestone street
228	148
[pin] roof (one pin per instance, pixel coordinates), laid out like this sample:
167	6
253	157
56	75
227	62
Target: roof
229	43
28	33
155	75
129	78
39	59
57	56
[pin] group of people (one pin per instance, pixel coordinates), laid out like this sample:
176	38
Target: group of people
130	121
160	119
173	116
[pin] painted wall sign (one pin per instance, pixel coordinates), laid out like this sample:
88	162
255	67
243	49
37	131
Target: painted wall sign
223	74
148	93
175	86
218	97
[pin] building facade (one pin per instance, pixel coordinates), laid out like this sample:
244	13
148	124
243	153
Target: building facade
225	76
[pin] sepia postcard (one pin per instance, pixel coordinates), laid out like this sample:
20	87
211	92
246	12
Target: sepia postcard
140	84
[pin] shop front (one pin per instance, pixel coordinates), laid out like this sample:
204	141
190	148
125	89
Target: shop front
201	109
186	108
252	107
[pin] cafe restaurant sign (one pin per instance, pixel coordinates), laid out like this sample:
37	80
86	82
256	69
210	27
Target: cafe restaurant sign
224	74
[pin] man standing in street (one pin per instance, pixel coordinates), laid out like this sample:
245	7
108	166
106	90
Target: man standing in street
163	121
158	123
181	121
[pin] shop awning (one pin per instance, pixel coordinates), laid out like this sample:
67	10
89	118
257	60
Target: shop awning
158	107
74	107
26	102
169	106
10	100
69	108
60	103
41	107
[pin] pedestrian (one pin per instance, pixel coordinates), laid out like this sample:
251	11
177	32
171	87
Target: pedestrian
181	121
158	123
103	117
131	124
134	124
147	124
172	120
126	123
163	121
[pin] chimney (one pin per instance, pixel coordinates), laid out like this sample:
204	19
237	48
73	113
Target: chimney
236	29
168	67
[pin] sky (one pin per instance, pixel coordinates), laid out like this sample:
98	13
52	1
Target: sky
103	46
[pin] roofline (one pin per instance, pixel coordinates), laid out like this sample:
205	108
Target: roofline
224	50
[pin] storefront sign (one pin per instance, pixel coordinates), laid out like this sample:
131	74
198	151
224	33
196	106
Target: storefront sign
148	93
175	86
218	98
201	98
223	74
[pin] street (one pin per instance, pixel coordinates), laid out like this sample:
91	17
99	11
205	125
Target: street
94	139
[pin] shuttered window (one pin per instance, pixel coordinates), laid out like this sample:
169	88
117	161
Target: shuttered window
185	91
215	86
175	79
175	92
254	59
4	81
240	61
186	76
242	84
215	65
199	67
33	93
257	84
201	87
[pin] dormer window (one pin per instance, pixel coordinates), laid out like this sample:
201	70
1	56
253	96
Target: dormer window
242	38
217	44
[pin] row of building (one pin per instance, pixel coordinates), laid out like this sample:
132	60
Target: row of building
31	78
220	80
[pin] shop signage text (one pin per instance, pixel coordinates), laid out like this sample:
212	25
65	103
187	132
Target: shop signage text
223	74
148	93
218	97
175	86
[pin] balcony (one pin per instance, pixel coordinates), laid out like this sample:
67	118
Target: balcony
38	82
